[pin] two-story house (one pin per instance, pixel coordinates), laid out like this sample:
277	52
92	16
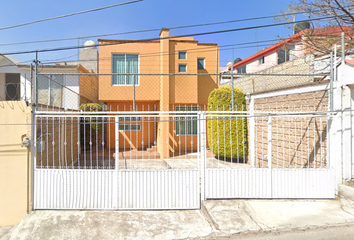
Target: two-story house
166	79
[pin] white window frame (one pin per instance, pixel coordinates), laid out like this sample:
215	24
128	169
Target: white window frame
125	67
261	60
193	116
129	126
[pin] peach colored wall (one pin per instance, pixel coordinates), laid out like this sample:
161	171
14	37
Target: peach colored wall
192	89
160	57
149	57
14	162
133	139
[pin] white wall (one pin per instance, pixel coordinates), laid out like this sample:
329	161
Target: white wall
71	93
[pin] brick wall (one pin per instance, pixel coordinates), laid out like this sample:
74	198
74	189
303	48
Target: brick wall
266	80
297	141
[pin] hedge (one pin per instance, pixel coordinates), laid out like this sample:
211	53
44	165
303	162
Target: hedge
93	135
227	138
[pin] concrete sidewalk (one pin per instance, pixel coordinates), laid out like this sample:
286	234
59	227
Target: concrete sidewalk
217	218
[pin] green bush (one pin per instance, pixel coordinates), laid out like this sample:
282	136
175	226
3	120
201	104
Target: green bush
96	123
91	127
227	138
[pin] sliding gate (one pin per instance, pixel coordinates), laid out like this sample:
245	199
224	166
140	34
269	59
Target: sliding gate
269	156
116	161
174	160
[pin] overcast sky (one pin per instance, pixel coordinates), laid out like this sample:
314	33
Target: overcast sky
148	14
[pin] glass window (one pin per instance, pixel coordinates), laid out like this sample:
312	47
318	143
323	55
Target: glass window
261	60
182	68
129	118
182	55
129	127
201	63
50	90
241	69
125	64
187	125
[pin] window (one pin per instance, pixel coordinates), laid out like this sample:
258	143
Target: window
261	60
182	55
129	118
241	69
201	63
12	86
186	125
125	64
182	68
129	127
50	90
283	56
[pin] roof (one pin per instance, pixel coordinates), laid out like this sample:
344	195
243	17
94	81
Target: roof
10	59
335	31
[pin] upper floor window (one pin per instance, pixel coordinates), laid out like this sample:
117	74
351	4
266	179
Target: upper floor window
261	60
283	55
201	63
182	67
241	69
125	64
182	55
50	90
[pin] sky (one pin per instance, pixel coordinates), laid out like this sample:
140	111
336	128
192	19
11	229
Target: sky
147	14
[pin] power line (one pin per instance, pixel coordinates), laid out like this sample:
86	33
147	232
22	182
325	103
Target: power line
178	36
199	50
69	15
150	30
165	53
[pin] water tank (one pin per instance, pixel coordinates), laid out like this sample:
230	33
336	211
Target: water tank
89	44
298	27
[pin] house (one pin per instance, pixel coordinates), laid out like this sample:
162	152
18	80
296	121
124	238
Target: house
61	86
172	73
296	46
293	76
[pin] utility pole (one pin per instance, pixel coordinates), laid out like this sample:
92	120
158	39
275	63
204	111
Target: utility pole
34	104
232	80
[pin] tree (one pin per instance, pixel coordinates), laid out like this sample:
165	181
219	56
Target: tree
338	17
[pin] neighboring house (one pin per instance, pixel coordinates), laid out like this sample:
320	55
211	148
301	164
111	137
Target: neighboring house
54	89
300	82
163	89
289	49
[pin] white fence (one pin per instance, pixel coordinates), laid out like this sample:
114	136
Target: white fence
175	160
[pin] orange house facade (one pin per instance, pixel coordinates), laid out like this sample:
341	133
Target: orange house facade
172	74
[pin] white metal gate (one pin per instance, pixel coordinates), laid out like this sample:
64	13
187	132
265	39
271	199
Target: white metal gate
287	157
174	160
115	162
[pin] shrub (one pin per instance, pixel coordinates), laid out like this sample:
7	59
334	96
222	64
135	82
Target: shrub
96	123
227	138
93	134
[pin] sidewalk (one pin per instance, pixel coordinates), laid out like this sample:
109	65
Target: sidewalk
217	218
